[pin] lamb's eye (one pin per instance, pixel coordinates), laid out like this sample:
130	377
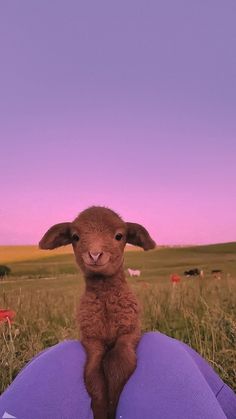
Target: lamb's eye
118	236
75	237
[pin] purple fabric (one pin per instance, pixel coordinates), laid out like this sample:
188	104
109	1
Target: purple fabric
171	382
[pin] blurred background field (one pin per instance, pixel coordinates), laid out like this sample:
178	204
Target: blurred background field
44	290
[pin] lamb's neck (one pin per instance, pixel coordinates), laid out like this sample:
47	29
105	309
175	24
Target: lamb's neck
100	283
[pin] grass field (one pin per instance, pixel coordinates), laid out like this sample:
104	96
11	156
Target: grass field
44	290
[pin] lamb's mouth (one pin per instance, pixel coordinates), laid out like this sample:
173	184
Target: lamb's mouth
95	265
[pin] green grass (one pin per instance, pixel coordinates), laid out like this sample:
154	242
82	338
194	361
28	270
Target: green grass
201	312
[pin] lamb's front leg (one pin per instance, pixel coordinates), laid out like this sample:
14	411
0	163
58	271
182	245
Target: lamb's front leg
95	379
119	363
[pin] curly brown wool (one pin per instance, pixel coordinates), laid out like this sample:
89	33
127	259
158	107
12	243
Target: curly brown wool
108	312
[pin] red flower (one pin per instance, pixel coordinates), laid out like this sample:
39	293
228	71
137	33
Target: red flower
7	314
175	278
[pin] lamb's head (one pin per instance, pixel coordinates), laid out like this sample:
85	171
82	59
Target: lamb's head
98	236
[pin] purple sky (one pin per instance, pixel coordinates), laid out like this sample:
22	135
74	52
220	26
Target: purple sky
128	104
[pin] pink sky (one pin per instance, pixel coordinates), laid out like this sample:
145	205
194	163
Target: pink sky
140	120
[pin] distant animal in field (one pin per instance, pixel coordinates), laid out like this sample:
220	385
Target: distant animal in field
216	273
134	272
175	278
192	272
109	312
4	271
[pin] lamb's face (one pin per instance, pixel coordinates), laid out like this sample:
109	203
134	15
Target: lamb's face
98	236
98	239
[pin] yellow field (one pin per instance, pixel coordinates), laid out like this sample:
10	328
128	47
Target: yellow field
10	254
21	253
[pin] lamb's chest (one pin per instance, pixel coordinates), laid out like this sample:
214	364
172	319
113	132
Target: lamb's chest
108	315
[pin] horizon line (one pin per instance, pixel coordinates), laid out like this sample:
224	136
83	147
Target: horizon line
157	245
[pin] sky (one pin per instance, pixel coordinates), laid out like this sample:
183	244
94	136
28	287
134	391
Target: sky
127	104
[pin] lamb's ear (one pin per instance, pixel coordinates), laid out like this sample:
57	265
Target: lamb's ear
139	236
58	235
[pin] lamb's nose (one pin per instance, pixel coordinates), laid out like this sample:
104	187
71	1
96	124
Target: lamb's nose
95	256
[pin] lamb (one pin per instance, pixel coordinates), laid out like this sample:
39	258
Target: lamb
108	312
134	272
